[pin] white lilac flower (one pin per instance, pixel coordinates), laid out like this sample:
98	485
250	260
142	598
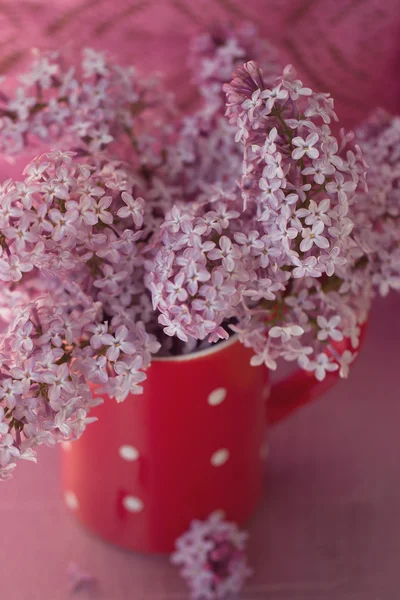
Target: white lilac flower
285	333
328	328
314	236
320	366
305	147
345	360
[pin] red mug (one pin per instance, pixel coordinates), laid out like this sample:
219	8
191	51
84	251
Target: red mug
193	443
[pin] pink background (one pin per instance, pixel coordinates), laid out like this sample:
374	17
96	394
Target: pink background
349	47
328	528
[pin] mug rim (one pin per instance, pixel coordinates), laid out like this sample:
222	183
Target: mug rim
217	347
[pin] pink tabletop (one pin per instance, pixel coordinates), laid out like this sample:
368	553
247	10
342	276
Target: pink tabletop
328	527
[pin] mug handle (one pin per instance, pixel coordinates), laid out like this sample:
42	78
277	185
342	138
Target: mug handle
301	387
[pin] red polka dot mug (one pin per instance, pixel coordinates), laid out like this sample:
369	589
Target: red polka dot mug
193	443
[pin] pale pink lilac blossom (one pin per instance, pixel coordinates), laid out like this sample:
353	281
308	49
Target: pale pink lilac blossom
287	234
90	105
377	211
212	556
79	579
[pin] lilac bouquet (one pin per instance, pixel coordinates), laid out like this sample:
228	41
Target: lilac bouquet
140	231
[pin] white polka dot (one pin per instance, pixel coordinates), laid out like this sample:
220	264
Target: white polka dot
132	504
220	457
217	396
71	500
128	453
66	446
264	451
219	513
266	391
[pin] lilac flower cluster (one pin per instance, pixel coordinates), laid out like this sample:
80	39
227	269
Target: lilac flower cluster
61	214
43	398
91	107
78	222
214	56
377	211
212	555
201	153
270	254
